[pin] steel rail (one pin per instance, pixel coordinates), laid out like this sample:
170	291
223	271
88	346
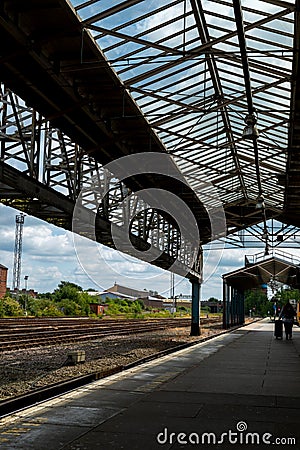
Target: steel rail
45	337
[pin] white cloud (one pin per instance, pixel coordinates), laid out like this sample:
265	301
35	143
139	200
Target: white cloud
42	239
50	255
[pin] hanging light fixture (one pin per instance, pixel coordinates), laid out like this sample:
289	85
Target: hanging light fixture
260	202
265	234
250	131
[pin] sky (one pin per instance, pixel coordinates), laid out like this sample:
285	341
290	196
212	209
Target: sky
51	254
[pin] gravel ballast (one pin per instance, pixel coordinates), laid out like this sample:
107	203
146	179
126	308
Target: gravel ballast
23	371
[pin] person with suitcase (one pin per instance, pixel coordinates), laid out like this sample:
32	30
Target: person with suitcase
287	315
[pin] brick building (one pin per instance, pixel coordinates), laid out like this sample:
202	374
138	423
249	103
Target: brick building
3	280
97	309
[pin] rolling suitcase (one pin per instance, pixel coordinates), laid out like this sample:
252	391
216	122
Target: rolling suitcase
278	329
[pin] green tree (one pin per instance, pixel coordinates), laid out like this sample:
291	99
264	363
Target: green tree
51	311
213	300
287	294
42	307
71	299
137	306
67	290
1	308
257	301
122	306
69	308
11	307
84	301
113	306
48	295
140	302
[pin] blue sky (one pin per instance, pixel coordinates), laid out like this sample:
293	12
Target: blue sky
51	255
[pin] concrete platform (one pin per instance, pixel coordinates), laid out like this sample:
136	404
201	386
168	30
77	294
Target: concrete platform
240	390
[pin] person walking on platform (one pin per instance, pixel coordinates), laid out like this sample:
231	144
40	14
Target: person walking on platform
287	315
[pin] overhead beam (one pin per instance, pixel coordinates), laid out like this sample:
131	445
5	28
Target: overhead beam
244	56
205	38
292	192
251	109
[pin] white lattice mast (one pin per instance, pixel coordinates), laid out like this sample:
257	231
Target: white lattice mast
18	251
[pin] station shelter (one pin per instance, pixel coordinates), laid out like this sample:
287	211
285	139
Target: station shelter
259	271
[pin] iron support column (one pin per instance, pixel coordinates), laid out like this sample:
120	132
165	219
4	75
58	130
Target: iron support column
225	303
196	290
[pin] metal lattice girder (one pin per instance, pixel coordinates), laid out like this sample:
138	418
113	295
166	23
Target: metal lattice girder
67	171
20	133
279	235
31	145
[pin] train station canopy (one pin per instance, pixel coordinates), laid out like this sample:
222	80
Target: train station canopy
212	83
259	271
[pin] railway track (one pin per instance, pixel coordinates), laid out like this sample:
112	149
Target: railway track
18	334
39	395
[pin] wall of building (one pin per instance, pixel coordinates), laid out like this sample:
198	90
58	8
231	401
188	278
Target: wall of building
97	309
127	291
3	280
153	302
